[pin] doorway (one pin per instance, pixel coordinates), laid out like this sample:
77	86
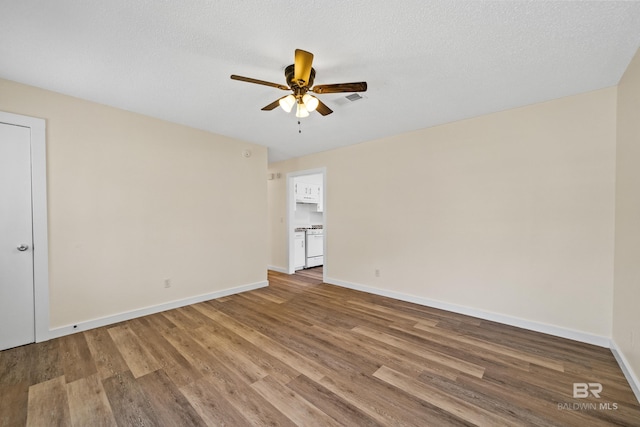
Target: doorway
293	221
24	302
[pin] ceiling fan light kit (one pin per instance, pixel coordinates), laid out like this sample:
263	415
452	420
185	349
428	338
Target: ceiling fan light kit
287	103
310	102
301	111
300	76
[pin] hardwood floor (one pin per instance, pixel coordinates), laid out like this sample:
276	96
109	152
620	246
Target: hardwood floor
301	352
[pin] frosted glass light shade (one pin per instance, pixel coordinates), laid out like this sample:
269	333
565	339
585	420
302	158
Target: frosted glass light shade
287	103
302	111
310	102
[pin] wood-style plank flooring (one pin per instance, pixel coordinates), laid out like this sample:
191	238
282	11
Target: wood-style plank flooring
301	352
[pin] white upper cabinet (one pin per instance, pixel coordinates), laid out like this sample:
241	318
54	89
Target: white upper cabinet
320	207
307	193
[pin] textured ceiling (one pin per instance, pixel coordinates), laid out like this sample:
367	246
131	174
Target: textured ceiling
426	62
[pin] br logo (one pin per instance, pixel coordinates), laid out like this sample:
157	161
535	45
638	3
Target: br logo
582	390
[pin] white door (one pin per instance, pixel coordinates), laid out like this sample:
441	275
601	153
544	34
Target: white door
17	321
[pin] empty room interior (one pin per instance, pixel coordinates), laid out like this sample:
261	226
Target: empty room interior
416	213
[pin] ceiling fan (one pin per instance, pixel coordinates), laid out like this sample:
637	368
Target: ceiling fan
300	76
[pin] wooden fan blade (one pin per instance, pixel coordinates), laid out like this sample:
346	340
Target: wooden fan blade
341	87
273	105
302	67
259	82
323	109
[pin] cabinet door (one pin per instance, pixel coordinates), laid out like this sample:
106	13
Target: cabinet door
297	192
301	192
313	191
320	206
299	257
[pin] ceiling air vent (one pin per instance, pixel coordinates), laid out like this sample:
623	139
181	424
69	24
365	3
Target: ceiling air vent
346	100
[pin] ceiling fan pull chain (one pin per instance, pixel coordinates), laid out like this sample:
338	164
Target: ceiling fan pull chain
299	129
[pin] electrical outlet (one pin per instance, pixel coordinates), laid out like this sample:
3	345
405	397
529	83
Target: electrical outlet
167	283
377	273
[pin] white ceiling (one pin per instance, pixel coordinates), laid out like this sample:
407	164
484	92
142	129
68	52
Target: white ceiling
426	62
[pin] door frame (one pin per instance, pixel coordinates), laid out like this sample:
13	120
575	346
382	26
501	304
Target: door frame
291	203
40	252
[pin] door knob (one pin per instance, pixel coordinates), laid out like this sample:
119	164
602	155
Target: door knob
23	247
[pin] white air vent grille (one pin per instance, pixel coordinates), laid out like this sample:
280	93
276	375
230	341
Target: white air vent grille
343	101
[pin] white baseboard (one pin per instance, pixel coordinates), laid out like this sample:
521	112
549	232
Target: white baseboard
634	382
278	269
128	315
485	315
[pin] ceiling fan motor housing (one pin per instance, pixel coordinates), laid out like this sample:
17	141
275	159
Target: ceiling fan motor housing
296	87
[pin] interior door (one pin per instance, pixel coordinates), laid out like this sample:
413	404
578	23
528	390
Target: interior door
17	317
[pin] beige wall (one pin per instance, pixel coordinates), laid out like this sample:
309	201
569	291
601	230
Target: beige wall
626	307
134	200
510	213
